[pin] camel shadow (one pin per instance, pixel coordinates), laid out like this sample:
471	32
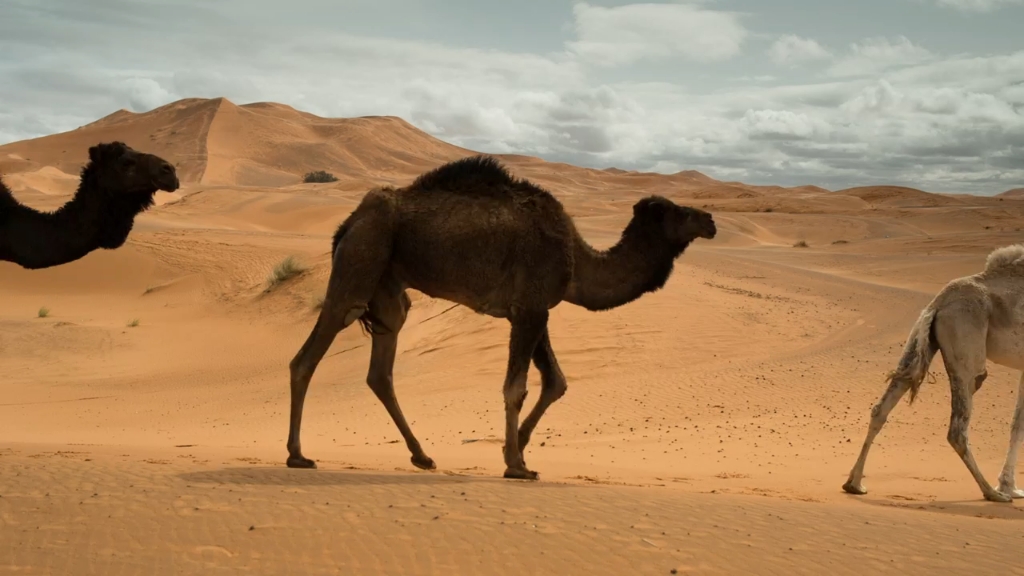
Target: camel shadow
964	508
278	476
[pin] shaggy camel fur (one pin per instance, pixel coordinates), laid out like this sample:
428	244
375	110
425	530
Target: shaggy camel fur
470	233
116	185
970	320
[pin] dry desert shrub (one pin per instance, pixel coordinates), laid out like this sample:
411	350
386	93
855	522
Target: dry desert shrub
319	176
285	270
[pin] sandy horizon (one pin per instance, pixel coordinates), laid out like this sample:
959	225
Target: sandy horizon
707	429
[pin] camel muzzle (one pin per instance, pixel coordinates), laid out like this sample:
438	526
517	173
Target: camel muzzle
167	182
170	185
167	178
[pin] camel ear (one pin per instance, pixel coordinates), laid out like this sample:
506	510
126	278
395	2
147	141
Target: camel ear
649	208
108	150
118	148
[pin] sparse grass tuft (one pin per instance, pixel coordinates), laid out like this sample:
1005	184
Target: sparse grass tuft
840	242
285	270
133	323
800	244
318	177
44	312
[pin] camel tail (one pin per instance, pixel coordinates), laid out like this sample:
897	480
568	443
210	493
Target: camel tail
918	353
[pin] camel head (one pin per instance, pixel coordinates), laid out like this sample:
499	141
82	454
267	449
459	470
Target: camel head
680	225
120	169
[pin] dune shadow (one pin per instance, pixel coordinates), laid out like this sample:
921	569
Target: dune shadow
979	508
280	476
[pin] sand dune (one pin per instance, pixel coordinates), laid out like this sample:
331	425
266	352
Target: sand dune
707	428
214	141
899	196
47	180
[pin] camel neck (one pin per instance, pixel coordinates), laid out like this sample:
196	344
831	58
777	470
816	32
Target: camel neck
34	239
605	279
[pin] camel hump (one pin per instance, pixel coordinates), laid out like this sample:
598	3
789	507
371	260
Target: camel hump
1005	257
474	175
7	199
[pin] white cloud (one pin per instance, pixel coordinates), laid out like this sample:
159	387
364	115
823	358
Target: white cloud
1013	94
966	106
878	97
145	94
790	49
781	125
874	55
977	5
624	34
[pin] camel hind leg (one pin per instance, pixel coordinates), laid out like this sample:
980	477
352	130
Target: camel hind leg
387	313
553	387
302	368
361	258
961	332
1008	477
879	414
527	328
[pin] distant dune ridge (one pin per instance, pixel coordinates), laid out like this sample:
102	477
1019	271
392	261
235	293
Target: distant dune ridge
216	142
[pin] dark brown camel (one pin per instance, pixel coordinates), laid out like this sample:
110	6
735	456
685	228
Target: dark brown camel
117	184
470	233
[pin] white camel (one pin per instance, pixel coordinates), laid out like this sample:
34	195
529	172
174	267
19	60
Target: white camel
970	319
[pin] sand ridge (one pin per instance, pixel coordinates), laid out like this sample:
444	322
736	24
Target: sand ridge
707	428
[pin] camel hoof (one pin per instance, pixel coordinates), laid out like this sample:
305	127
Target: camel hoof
300	462
855	489
423	462
998	497
1011	492
521	474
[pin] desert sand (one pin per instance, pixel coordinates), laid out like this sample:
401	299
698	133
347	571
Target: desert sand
707	428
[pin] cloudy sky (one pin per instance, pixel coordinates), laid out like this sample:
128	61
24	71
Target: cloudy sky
925	93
